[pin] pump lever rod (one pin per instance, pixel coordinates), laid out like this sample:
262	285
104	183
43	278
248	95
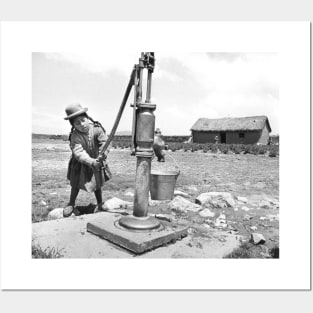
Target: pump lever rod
119	114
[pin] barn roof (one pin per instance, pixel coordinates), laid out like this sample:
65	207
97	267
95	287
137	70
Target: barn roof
232	124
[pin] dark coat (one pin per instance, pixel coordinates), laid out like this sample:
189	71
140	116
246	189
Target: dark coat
85	148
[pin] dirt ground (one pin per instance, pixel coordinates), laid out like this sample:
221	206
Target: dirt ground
255	177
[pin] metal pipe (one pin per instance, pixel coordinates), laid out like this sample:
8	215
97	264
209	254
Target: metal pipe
149	82
141	67
141	198
120	112
136	84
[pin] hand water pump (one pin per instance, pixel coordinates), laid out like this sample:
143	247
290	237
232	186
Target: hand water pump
142	141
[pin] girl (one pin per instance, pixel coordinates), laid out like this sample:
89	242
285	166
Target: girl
159	146
87	138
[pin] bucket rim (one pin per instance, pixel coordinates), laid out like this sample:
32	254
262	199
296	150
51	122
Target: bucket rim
164	173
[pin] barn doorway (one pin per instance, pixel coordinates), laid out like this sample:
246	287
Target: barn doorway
223	137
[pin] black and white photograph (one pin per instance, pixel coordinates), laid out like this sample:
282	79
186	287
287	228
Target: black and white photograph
180	168
155	155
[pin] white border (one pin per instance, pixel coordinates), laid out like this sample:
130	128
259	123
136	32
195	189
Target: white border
289	39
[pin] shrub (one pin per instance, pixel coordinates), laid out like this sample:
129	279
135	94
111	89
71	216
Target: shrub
224	148
243	252
48	253
237	150
273	151
272	154
248	149
187	146
274	252
214	148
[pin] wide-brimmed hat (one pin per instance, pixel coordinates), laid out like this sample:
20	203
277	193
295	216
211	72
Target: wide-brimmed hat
73	110
157	131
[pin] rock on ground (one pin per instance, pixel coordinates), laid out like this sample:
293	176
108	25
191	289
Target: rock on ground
116	203
244	208
242	199
164	217
180	193
180	204
216	199
221	221
206	213
55	214
265	204
257	238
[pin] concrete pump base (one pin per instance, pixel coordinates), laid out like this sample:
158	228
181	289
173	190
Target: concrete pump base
137	241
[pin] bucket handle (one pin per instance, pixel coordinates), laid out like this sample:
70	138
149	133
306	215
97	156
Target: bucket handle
175	163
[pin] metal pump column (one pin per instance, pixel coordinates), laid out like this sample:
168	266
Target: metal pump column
144	136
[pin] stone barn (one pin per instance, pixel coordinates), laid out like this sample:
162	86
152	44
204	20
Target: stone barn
239	130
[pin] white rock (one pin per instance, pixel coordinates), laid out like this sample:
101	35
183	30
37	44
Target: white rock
244	208
257	238
272	217
216	199
181	204
164	217
221	221
254	228
55	214
116	203
208	221
180	193
43	202
216	204
272	201
236	209
264	204
129	194
242	199
222	217
206	213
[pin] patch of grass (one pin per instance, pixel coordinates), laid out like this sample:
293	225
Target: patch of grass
274	252
48	253
251	251
243	252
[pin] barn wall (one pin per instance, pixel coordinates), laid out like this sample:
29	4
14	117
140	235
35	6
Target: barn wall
251	137
265	135
204	137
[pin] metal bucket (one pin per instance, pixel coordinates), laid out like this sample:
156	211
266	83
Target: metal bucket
162	183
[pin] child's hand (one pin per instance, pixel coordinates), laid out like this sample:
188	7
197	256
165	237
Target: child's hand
96	164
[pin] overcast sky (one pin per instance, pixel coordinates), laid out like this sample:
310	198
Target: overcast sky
185	87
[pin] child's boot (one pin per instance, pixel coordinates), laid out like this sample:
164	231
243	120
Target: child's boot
100	207
67	211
